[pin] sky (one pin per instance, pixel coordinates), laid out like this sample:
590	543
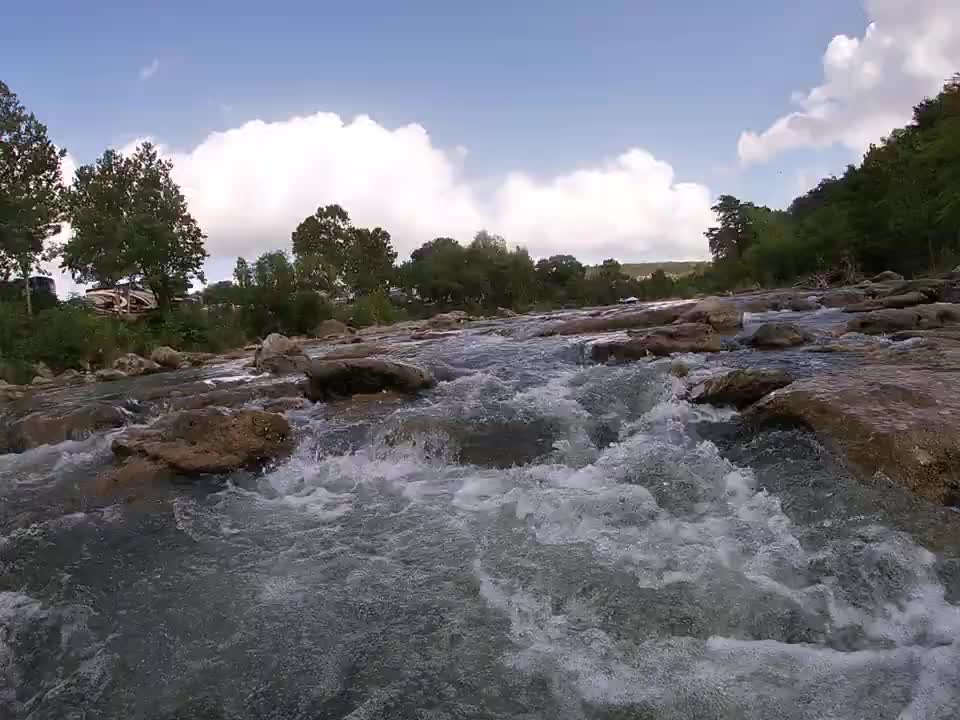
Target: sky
603	129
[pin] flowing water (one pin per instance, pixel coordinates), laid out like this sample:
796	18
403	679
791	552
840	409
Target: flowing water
538	537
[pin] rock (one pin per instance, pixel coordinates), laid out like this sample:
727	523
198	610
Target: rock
685	337
233	397
209	441
452	319
799	303
42	370
133	364
651	317
284	404
889	301
167	357
951	293
329	379
886	276
779	335
360	350
902	422
70	376
842	297
891	320
955	273
39	380
505	313
109	375
280	355
330	328
132	478
719	314
48	428
679	369
739	388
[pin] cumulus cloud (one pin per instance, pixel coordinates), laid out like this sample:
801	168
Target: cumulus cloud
148	71
249	187
871	83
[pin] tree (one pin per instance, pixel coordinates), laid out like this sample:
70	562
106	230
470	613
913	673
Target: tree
732	237
30	189
368	260
130	219
320	244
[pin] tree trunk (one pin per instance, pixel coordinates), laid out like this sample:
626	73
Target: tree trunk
25	272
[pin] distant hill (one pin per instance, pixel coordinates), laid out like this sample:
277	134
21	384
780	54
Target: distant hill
671	268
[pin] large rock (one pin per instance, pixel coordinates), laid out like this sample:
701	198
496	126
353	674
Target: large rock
904	300
331	379
109	375
232	397
329	328
739	388
42	370
279	355
448	320
843	297
503	312
934	315
719	314
651	317
902	422
778	336
886	276
209	441
133	364
802	303
167	357
49	428
348	352
685	337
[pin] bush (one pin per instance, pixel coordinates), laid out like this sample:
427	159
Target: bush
373	309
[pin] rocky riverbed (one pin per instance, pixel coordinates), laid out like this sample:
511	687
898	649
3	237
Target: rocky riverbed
736	507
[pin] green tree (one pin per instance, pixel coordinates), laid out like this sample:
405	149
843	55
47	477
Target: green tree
30	189
368	260
731	238
130	219
320	247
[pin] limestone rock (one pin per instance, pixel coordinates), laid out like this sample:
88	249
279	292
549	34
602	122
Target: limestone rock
505	313
50	427
719	314
922	317
843	297
740	388
133	364
684	337
167	357
359	350
109	375
329	328
449	320
778	336
279	355
330	379
648	318
886	276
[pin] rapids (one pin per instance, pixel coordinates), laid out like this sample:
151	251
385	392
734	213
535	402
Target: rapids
537	537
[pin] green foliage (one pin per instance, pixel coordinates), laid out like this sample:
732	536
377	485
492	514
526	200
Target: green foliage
373	309
130	220
30	190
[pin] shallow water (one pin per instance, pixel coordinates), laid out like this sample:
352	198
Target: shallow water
538	537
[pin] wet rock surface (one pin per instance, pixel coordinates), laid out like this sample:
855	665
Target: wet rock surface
739	388
680	338
618	320
777	336
331	379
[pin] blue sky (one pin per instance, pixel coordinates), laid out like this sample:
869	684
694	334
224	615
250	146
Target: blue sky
539	88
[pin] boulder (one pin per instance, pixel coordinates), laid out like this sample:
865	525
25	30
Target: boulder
684	337
842	297
922	317
886	276
40	380
740	388
70	376
359	350
503	312
651	317
330	379
331	328
719	314
133	364
167	357
232	397
279	355
109	375
898	422
778	335
800	303
449	320
49	428
196	442
42	370
889	301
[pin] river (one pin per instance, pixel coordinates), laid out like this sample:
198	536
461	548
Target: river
536	537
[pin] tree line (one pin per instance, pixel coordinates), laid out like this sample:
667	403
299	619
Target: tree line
899	209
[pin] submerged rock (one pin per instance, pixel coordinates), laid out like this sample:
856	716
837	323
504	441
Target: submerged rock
330	379
934	315
779	336
740	388
899	421
719	314
649	318
49	428
209	441
358	350
685	337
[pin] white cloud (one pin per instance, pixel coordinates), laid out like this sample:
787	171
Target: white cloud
871	83
148	71
249	187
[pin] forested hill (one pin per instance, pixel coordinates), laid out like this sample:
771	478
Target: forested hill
899	209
